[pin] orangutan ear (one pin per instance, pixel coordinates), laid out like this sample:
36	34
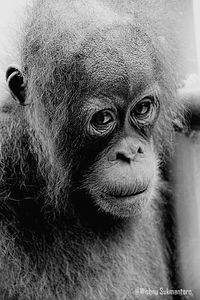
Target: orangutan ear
15	82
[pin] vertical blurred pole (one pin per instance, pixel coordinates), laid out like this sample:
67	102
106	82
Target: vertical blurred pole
196	12
187	191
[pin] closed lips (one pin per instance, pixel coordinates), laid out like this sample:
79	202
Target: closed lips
127	192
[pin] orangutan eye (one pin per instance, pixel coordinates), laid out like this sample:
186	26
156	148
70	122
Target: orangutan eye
144	112
102	122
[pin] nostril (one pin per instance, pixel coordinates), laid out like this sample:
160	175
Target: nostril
128	156
140	150
123	157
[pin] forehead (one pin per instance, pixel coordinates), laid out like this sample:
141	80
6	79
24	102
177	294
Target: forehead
118	60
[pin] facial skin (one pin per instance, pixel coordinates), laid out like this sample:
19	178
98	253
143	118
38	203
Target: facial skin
125	177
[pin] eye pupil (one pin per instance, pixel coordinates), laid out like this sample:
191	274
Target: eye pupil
102	122
102	118
142	108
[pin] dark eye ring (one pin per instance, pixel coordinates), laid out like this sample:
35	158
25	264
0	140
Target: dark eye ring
144	112
102	121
